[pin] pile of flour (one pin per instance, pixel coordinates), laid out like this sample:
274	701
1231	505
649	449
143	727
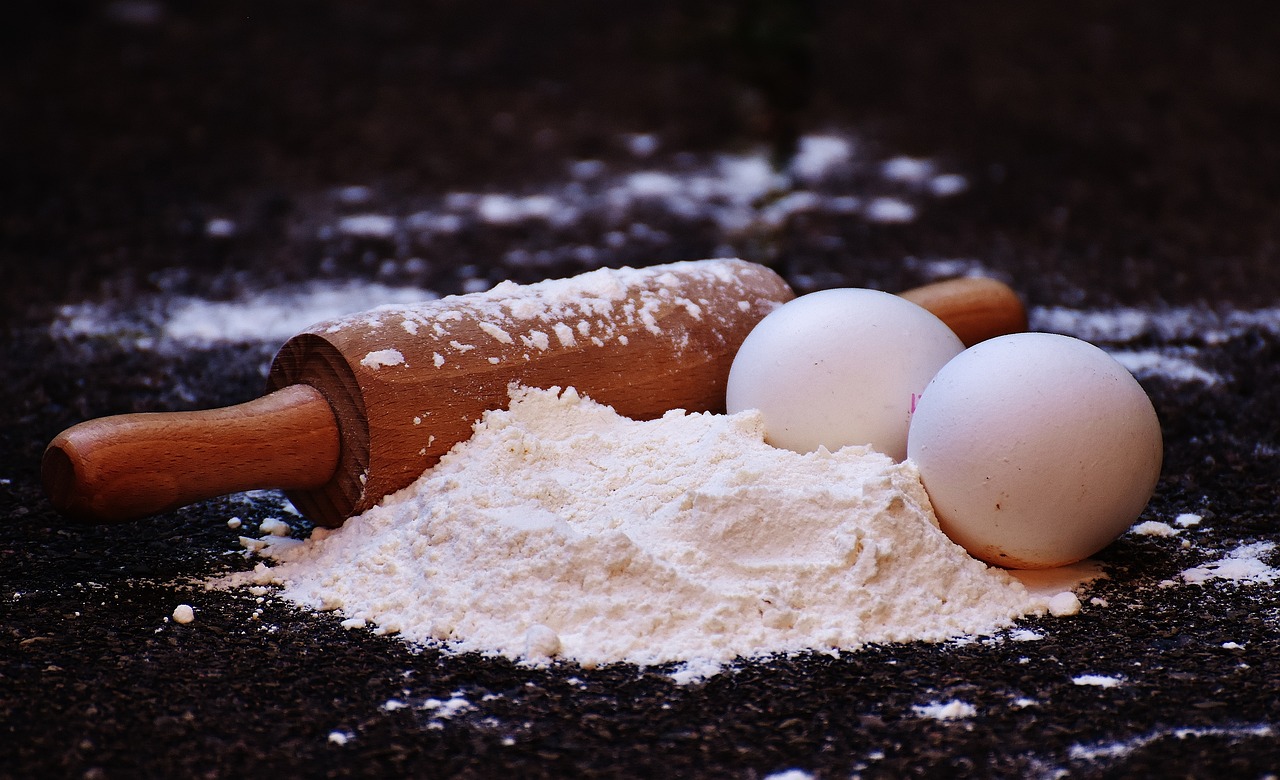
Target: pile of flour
562	529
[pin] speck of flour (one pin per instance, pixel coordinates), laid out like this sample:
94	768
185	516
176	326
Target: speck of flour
564	530
382	357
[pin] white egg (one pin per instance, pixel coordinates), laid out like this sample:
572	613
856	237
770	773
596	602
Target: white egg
839	367
1037	450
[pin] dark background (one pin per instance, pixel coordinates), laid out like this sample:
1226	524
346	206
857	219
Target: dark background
1116	154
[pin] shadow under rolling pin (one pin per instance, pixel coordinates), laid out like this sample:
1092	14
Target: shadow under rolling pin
360	406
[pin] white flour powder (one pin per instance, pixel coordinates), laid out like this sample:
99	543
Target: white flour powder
563	529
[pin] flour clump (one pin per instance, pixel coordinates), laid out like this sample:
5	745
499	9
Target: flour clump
561	528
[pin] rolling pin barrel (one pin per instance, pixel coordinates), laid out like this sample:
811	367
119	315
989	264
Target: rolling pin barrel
406	383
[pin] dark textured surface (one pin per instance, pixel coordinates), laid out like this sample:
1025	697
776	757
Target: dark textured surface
1115	155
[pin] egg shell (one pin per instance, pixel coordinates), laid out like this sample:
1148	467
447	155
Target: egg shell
839	367
1036	450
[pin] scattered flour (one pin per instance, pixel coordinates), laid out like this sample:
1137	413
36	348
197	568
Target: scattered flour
277	314
1103	752
274	526
1194	324
1167	362
367	226
1154	528
735	192
561	528
1097	680
1243	564
818	156
945	185
741	194
790	774
910	170
220	228
890	210
447	708
952	710
182	322
1185	332
1064	604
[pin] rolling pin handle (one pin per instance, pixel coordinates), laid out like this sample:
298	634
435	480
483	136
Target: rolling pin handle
133	465
975	308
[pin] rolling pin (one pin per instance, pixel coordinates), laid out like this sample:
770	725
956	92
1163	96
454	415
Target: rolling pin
360	406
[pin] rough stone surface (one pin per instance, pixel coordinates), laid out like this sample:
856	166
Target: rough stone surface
1113	154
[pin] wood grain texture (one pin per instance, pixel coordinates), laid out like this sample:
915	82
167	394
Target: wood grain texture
133	465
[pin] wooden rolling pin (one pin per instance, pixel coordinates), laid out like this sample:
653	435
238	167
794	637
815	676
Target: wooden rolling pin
360	406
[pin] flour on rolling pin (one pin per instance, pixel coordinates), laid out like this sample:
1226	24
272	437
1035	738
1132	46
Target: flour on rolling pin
595	308
407	382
